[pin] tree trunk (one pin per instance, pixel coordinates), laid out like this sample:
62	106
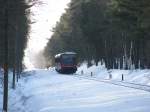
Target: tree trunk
13	84
5	94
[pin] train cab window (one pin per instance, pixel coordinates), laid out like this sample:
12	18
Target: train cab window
68	59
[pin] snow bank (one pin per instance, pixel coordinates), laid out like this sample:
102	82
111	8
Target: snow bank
100	71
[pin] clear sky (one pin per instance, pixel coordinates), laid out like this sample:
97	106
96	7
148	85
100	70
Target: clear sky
45	16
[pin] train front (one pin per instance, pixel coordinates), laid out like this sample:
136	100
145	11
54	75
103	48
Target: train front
67	62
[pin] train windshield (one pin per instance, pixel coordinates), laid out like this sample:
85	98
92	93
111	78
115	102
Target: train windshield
68	59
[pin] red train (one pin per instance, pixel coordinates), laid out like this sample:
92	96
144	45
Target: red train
66	62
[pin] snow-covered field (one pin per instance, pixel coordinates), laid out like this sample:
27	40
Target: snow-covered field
48	91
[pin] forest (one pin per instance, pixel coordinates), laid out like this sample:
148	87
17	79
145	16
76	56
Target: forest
115	32
14	28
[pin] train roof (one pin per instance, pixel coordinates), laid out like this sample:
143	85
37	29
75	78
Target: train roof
58	55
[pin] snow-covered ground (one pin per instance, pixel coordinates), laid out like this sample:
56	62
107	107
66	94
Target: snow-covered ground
48	91
135	76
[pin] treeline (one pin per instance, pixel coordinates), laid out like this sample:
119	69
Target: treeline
13	37
14	25
116	32
14	29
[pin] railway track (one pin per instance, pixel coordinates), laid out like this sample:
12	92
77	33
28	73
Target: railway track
119	83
